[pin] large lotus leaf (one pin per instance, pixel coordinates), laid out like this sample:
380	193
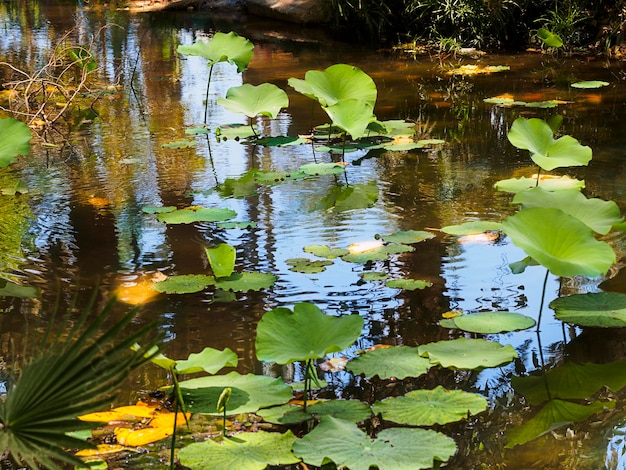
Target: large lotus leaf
14	140
348	410
345	198
379	253
222	259
353	116
536	136
245	281
515	185
464	353
347	446
408	236
408	284
244	451
284	336
560	242
428	407
571	381
399	362
249	393
184	284
597	214
189	215
208	360
493	322
338	82
223	47
549	38
555	414
265	99
470	228
595	309
324	251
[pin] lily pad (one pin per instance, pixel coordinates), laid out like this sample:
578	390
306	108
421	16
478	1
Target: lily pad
189	215
284	336
374	276
184	284
595	309
221	259
399	362
379	253
347	446
157	209
197	130
307	266
209	360
179	144
234	131
408	237
590	84
274	177
493	322
469	228
515	185
245	451
463	353
560	242
429	407
408	284
246	281
14	140
324	251
317	169
223	47
265	99
351	197
281	141
354	411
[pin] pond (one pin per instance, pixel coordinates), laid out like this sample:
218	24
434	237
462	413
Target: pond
87	220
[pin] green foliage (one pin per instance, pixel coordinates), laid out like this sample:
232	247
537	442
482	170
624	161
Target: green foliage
14	140
265	99
595	309
399	362
491	322
463	353
229	47
189	215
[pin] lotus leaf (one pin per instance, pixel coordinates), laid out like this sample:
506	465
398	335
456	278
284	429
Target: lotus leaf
536	136
245	281
590	84
352	115
347	446
223	47
399	362
558	241
407	237
380	253
265	99
351	197
470	228
555	414
317	169
239	225
493	322
221	259
184	284
374	276
193	214
307	266
157	209
244	451
197	130
306	333
428	407
324	251
249	393
337	82
515	185
234	131
209	360
408	284
549	38
463	353
348	410
14	140
594	309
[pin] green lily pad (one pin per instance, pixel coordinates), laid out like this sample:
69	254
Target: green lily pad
244	451
246	281
493	322
515	185
347	446
470	228
318	169
284	336
558	241
281	141
595	309
221	259
428	407
193	214
157	209
344	198
14	140
184	284
307	266
407	237
555	414
549	38
209	360
275	177
380	253
197	130
374	276
324	251
463	353
265	99
249	393
597	214
354	411
408	284
590	84
179	144
399	362
223	47
518	267
234	131
10	289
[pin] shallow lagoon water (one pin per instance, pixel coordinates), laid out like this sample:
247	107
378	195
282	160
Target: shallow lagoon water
86	228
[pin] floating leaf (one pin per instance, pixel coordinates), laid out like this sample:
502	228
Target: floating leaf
284	336
14	140
590	84
407	237
595	309
246	281
463	353
469	228
272	177
515	185
209	360
184	284
179	144
408	284
374	276
234	131
344	198
244	451
193	214
354	411
555	414
281	141
428	407
493	322
141	436
221	259
382	252
265	99
307	266
157	209
223	47
197	130
239	225
558	241
347	446
324	251
399	362
317	169
549	38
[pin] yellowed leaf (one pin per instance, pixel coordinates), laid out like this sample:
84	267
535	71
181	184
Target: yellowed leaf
334	364
140	437
452	314
102	449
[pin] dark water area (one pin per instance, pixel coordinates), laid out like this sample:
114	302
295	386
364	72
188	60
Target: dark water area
81	226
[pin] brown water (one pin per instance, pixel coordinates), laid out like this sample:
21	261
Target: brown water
84	227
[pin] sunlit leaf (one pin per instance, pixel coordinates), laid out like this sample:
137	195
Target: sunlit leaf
265	99
223	47
197	130
284	336
463	353
469	228
549	38
595	309
274	177
324	251
234	131
102	449
374	276
208	360
14	140
221	259
380	253
515	185
334	364
193	214
246	281
365	246
317	169
590	84
351	115
157	209
399	362
184	284
347	446
493	322
407	237
428	407
408	284
244	451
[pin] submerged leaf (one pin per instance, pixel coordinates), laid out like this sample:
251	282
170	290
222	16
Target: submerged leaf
590	84
246	281
492	322
221	259
408	284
